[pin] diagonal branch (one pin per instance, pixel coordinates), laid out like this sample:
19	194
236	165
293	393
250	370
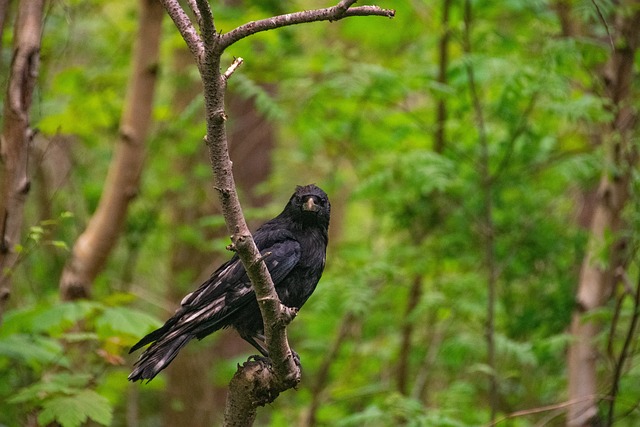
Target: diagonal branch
335	13
185	27
196	11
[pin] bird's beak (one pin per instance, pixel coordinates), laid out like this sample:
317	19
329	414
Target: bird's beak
310	205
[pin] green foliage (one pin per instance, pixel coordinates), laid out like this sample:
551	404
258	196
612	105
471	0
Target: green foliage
62	398
49	363
353	104
75	409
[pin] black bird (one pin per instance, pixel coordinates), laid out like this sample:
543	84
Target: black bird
294	245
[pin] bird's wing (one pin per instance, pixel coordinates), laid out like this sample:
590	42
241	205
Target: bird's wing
230	289
208	308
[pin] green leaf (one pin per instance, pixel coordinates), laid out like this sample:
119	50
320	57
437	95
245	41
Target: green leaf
44	318
62	383
124	320
33	350
60	244
73	411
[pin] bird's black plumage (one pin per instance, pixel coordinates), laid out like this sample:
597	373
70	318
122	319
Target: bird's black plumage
294	243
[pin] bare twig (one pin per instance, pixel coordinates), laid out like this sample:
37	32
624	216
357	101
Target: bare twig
604	22
233	67
631	333
541	409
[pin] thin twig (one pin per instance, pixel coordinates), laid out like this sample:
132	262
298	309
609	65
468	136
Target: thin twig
541	409
615	383
322	376
604	22
626	281
233	67
518	131
613	327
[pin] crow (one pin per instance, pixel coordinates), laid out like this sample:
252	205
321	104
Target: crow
293	245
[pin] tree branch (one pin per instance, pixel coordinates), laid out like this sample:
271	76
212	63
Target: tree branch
334	13
196	12
207	27
185	27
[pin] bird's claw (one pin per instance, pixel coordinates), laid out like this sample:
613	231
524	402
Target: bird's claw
296	358
258	358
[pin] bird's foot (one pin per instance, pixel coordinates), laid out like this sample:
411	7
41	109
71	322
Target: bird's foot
257	358
296	358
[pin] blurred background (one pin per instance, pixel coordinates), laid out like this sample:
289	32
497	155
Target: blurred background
481	161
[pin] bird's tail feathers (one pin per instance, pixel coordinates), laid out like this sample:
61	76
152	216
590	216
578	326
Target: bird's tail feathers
158	356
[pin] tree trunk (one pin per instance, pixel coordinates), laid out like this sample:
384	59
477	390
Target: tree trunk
94	245
16	138
594	289
596	280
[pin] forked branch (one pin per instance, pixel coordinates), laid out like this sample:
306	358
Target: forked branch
257	382
219	42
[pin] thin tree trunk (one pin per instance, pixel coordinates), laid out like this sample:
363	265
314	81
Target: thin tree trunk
322	378
443	64
94	245
596	281
487	224
16	138
439	138
415	294
594	288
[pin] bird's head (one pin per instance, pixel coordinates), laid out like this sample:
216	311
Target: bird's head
310	204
